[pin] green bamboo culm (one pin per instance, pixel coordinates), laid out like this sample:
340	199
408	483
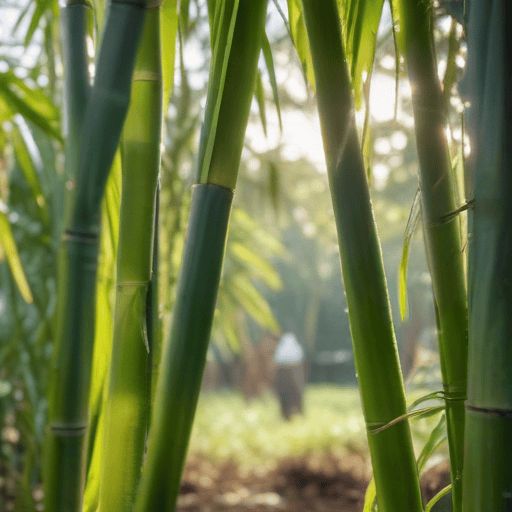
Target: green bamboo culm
126	405
487	479
373	338
71	366
74	19
232	82
442	231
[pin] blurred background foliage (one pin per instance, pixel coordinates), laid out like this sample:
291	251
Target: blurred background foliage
282	266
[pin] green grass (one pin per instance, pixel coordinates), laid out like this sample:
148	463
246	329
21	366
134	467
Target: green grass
254	434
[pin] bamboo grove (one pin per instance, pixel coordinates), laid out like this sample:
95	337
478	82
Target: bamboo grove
124	396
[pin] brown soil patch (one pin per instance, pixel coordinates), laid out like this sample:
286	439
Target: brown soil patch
306	484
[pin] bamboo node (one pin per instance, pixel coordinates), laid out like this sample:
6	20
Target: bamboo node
504	413
69	429
80	236
126	284
146	76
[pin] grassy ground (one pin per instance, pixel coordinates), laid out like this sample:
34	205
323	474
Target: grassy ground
244	456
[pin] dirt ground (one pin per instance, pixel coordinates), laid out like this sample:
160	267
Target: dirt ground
300	485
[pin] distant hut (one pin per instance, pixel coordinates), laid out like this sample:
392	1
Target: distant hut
289	377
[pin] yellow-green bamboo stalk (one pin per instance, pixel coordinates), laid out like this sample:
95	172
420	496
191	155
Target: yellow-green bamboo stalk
71	365
487	479
126	405
373	338
238	37
442	232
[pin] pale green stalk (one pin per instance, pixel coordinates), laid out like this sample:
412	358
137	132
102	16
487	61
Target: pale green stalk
71	366
126	405
487	480
373	338
442	231
232	80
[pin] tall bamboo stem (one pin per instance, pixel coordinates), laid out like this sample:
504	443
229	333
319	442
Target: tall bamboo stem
442	232
71	365
232	81
126	407
487	480
373	338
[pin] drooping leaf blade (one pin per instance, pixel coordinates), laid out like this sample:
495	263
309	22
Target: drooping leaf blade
13	258
168	29
300	39
258	264
260	98
412	222
30	169
32	104
269	62
436	438
253	302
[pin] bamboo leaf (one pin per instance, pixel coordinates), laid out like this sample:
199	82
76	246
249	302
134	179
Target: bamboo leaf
269	62
300	39
169	26
273	184
412	222
435	395
253	302
360	21
30	169
258	264
436	438
437	497
219	67
13	258
41	7
416	414
32	104
370	498
260	98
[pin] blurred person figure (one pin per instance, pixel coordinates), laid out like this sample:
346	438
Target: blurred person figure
289	376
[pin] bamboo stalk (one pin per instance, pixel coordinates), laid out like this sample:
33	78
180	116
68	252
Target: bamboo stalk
487	480
71	365
233	77
126	407
373	338
442	236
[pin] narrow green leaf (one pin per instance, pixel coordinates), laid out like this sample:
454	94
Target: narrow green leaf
220	59
435	395
30	171
360	22
412	222
184	15
370	498
436	438
256	263
450	75
253	302
300	39
437	497
32	104
416	414
41	7
273	184
269	62
169	26
13	258
260	98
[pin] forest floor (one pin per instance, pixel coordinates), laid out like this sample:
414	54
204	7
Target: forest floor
299	484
